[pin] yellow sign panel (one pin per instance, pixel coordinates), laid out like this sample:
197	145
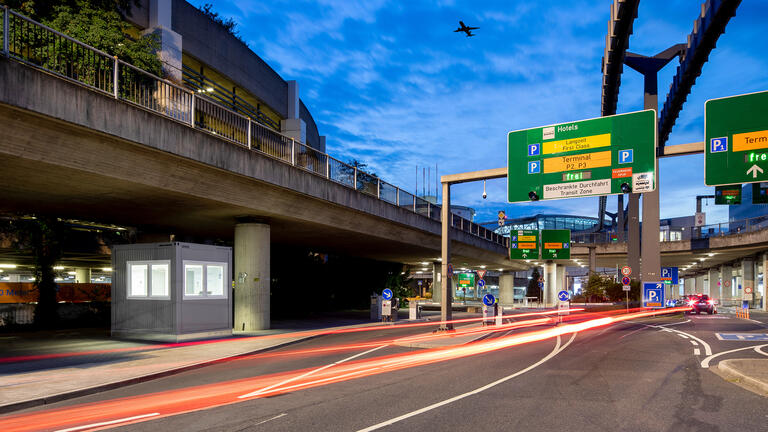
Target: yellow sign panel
526	238
526	245
575	144
553	245
750	141
577	162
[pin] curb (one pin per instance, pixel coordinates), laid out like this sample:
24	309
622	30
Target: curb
733	374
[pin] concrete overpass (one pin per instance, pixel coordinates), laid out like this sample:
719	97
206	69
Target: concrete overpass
70	151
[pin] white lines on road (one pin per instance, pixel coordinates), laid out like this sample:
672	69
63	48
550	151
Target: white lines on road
696	351
107	423
270	419
706	361
313	371
759	349
682	336
694	343
554	352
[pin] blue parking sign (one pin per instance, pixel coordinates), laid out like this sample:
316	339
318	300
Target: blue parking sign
718	145
653	295
534	149
534	167
625	156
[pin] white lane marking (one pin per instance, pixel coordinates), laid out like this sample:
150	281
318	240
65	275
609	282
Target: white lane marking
707	348
270	419
671	324
696	351
682	336
554	352
107	423
759	349
694	343
280	384
705	362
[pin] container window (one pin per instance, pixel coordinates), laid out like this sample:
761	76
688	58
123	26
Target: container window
138	285
205	280
215	279
160	280
193	285
149	280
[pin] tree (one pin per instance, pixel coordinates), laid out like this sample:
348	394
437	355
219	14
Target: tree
533	289
228	24
399	283
595	288
98	23
44	237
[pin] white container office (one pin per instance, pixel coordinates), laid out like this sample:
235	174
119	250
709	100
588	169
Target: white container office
171	291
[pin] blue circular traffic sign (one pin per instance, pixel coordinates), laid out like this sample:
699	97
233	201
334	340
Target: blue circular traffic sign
625	280
387	294
541	284
563	296
489	300
481	283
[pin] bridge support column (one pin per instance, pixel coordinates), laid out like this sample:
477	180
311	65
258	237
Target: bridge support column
726	283
747	276
252	260
714	282
82	275
690	285
699	285
507	289
437	291
549	294
764	291
593	259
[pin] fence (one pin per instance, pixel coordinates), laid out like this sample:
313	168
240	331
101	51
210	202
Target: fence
32	43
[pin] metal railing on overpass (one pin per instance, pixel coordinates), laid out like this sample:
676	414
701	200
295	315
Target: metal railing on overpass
27	41
671	234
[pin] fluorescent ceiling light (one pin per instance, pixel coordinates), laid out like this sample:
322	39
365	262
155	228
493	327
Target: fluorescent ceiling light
10	266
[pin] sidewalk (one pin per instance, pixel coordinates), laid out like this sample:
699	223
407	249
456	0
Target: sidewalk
751	374
57	370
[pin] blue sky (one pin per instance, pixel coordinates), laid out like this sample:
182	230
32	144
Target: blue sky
390	83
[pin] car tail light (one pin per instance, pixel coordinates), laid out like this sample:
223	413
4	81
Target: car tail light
711	302
691	303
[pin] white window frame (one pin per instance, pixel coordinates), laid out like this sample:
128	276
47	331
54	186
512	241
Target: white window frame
149	265
205	295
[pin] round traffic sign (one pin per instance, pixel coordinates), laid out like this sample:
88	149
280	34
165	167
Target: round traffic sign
541	284
563	295
747	290
626	270
450	270
727	284
387	294
481	283
489	300
625	280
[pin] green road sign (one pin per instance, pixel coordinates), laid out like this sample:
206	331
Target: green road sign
729	194
583	158
759	193
555	244
524	244
465	280
736	139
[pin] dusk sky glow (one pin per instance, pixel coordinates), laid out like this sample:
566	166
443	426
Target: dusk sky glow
390	83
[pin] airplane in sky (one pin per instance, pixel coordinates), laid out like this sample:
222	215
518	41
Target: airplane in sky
465	29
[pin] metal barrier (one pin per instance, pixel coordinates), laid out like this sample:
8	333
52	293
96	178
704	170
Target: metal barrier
37	45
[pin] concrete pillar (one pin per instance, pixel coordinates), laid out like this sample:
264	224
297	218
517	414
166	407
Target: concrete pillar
437	292
748	275
170	41
714	282
726	283
82	275
593	259
252	260
690	285
562	279
765	283
507	289
620	234
633	231
293	126
446	299
548	296
699	285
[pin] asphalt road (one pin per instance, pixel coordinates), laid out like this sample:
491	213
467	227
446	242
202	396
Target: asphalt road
644	375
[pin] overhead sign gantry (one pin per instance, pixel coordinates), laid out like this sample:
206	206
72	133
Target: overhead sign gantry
602	156
736	139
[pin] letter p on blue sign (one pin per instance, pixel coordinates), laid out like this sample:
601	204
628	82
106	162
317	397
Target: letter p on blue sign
718	145
534	149
625	156
534	167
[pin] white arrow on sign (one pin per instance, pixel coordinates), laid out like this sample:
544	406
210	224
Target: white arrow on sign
753	170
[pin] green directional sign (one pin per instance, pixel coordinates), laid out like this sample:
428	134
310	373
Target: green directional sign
736	139
555	244
465	280
729	194
524	244
602	156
